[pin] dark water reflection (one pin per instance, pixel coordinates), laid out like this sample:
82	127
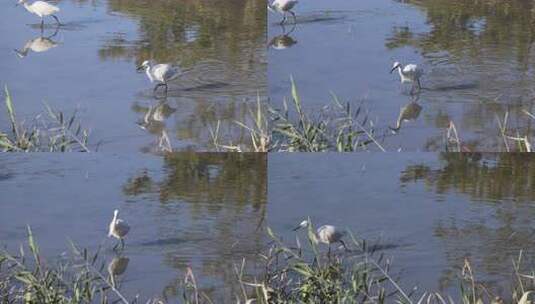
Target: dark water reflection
477	57
92	66
186	210
434	210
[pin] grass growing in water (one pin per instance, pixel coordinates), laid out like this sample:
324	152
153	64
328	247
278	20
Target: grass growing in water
337	127
53	133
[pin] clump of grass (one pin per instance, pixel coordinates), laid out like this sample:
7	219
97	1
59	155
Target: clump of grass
338	127
53	133
26	278
296	273
259	135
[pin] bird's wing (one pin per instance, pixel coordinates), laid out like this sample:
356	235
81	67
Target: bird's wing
165	71
410	67
110	231
290	4
122	226
44	7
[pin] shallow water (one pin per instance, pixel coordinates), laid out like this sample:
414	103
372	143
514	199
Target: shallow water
185	210
208	211
476	56
429	210
90	64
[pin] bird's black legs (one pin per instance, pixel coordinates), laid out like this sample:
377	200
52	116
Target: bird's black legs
57	20
283	18
115	247
344	244
161	85
42	24
419	84
293	15
122	244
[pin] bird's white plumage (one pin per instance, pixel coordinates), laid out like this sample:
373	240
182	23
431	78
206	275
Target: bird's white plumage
118	227
282	6
329	234
326	234
40	8
161	73
409	73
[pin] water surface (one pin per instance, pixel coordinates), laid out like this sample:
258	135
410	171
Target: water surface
477	58
90	64
429	211
185	210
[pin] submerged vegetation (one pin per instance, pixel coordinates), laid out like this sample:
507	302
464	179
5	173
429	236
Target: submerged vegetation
52	132
300	273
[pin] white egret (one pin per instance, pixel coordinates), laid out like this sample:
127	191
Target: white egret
327	234
161	73
283	7
41	9
409	73
118	229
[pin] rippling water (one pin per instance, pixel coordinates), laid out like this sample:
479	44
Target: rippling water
185	210
476	55
430	210
90	63
208	211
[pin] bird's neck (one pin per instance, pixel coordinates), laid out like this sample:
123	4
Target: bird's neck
400	70
148	72
27	7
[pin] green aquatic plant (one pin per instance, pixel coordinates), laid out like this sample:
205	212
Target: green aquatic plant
53	132
291	273
28	278
337	127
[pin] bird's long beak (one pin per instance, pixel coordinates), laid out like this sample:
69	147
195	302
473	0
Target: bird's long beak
393	69
297	228
139	68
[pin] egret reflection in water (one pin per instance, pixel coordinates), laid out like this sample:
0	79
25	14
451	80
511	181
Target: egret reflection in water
38	45
117	267
154	122
408	112
284	40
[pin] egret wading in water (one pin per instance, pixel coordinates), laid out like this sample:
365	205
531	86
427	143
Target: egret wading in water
41	9
118	229
283	7
327	234
160	73
409	73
